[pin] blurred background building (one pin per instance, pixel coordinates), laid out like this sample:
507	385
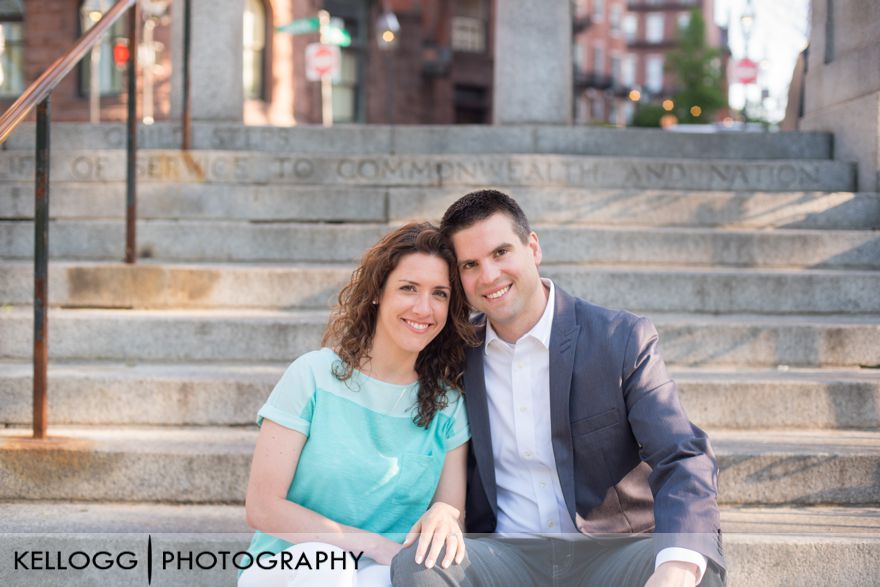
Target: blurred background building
437	70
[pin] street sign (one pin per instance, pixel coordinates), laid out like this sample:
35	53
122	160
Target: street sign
744	71
335	33
300	26
322	60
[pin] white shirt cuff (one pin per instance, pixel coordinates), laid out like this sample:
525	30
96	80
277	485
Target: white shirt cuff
683	555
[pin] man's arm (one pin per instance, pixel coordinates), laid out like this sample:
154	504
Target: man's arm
684	473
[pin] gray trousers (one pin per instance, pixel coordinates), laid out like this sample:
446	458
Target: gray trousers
541	562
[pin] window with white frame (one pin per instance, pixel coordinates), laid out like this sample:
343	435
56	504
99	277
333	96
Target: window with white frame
615	16
469	23
598	60
577	56
654	73
598	10
628	71
616	68
654	28
684	19
630	27
109	77
11	50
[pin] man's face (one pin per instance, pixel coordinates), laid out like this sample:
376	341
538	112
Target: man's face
500	274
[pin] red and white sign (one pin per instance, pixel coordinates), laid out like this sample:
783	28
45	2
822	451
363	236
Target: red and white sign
744	71
322	60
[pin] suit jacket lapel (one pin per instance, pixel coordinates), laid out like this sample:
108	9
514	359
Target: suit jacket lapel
478	415
563	341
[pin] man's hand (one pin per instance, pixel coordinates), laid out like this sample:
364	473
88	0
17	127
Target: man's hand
674	574
438	527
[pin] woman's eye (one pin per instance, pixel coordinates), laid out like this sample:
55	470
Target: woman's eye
408	288
441	293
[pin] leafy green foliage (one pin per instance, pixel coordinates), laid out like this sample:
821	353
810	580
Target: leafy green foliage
697	68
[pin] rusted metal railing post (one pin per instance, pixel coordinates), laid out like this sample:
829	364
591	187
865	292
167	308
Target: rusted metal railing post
41	272
131	139
187	102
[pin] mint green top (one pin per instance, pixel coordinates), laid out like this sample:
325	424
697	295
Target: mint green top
366	463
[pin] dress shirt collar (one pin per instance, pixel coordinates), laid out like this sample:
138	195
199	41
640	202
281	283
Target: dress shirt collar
541	330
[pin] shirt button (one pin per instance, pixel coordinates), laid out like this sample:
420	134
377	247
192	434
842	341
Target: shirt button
523	409
527	454
550	524
519	365
542	485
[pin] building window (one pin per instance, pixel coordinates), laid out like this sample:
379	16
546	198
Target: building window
615	16
684	19
345	90
628	71
654	28
11	50
470	20
598	60
630	27
598	10
654	73
598	110
616	72
468	34
108	76
254	47
577	56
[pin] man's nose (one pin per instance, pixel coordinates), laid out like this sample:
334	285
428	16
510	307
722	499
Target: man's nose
489	273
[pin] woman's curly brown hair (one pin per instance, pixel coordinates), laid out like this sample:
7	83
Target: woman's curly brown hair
353	321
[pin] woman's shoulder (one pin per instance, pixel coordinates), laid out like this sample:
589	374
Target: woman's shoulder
455	401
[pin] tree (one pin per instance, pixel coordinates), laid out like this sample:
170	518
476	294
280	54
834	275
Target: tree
697	68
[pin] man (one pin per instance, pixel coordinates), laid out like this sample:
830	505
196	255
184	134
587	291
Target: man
580	445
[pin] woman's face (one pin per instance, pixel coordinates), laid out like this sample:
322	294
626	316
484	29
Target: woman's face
413	305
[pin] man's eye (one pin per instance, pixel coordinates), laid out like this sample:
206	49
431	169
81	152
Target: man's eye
501	252
468	265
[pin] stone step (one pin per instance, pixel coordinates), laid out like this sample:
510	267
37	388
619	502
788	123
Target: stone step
249	336
647	289
219	394
389	140
809	546
303	242
625	207
507	171
211	465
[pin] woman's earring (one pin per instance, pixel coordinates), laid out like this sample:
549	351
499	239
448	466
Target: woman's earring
375	302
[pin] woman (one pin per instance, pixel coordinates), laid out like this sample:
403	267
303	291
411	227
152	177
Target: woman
364	443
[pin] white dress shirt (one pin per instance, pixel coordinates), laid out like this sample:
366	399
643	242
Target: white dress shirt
518	393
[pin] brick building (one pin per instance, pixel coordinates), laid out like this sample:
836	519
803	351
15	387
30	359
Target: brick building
621	45
439	73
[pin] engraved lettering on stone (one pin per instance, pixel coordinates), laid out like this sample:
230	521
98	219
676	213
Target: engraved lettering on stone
346	169
82	168
810	174
368	169
419	171
445	170
632	174
466	172
787	175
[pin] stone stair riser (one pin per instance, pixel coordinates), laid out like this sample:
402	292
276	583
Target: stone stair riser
241	242
153	286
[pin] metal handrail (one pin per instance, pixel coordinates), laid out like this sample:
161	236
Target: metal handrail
40	89
38	95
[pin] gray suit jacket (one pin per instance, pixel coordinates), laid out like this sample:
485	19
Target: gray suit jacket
628	459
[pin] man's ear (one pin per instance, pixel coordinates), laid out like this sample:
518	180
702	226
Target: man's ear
535	246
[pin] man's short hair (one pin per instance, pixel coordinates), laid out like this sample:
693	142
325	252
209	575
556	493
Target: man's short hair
479	205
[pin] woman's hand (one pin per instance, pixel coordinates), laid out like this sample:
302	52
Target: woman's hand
438	527
383	550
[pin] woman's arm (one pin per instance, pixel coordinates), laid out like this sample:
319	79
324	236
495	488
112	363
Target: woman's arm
268	509
442	524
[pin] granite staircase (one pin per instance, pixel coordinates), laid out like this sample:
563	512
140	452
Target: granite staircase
752	254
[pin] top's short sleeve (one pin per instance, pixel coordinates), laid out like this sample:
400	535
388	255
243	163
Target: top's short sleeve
291	404
458	430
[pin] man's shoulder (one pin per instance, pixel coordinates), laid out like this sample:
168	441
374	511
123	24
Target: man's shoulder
591	314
